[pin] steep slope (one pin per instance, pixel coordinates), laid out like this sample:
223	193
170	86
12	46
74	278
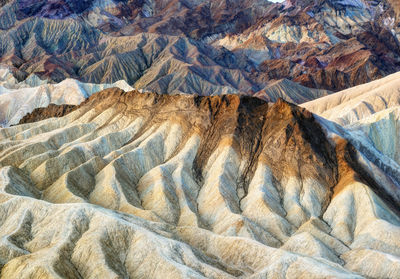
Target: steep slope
192	187
369	114
357	103
157	63
383	130
290	92
8	81
21	99
194	19
50	111
161	63
202	46
322	44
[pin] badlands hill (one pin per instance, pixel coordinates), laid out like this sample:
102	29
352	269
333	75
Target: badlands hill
360	102
143	185
202	46
19	98
289	91
370	112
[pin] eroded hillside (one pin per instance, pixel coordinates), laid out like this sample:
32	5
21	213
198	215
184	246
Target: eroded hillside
146	185
204	47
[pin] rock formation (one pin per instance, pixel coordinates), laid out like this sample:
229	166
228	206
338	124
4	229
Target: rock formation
50	111
290	91
202	47
19	98
143	185
370	115
357	103
218	173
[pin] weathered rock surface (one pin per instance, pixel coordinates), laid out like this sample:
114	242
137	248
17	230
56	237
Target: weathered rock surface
322	44
370	112
290	92
50	111
202	46
20	98
369	117
145	185
360	102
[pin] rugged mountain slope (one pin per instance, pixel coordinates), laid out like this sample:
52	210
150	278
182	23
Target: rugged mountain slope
323	44
370	115
18	99
349	106
290	92
383	130
50	111
202	46
192	187
8	81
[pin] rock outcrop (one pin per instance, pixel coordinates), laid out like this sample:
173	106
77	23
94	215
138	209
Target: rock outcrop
50	111
143	185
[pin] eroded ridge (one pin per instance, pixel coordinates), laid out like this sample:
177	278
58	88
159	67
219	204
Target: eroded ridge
136	184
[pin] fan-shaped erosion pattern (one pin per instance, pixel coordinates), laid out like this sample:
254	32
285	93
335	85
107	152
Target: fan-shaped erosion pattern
136	184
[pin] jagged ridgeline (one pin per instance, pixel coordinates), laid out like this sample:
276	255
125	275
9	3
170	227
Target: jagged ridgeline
134	184
203	47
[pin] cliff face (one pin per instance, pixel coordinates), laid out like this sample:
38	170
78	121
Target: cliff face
191	186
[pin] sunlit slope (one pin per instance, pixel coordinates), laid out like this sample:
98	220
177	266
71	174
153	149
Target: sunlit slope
19	98
369	112
236	187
